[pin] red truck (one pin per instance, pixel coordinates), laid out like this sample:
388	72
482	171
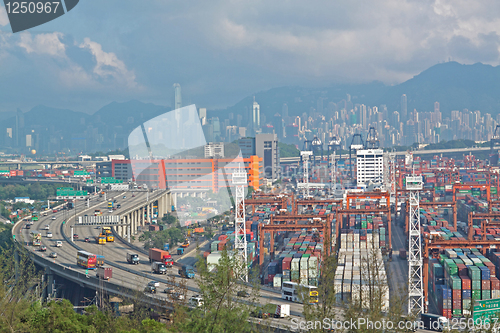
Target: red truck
160	255
104	272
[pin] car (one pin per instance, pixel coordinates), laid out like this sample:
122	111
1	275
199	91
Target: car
114	201
43	248
87	240
53	217
154	283
75	236
118	206
169	290
28	226
47	227
133	195
177	295
196	301
242	293
124	197
49	235
53	255
58	244
150	289
110	211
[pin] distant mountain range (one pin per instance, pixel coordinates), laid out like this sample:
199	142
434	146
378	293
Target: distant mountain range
453	85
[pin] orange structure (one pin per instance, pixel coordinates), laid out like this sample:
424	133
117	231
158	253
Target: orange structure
272	228
471	186
312	201
346	212
453	205
280	201
485	219
369	195
191	173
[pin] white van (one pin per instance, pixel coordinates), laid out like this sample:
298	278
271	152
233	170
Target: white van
196	301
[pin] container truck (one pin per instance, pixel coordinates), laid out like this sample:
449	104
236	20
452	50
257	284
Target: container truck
434	322
187	272
402	254
133	258
104	272
158	267
99	260
161	255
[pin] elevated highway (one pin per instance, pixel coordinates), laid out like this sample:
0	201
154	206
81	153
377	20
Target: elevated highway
127	279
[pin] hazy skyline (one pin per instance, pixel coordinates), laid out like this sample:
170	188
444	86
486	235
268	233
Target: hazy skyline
222	51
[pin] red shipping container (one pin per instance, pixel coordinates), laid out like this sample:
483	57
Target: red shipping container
222	237
495	283
491	267
461	268
457	295
485	285
457	304
466	283
285	265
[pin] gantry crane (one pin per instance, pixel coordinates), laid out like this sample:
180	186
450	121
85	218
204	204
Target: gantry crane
485	218
434	244
290	223
386	211
453	206
471	186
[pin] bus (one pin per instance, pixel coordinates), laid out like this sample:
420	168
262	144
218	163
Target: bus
109	234
110	204
34	216
292	291
86	260
36	238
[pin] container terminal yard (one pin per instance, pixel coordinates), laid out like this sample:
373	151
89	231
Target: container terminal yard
384	218
454	253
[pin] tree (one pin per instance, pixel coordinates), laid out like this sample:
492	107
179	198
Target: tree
221	310
169	219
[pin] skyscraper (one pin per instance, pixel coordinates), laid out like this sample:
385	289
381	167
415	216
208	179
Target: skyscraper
404	108
284	111
256	114
177	96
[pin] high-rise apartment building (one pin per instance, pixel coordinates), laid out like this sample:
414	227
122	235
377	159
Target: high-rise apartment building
404	108
177	96
265	146
255	114
370	166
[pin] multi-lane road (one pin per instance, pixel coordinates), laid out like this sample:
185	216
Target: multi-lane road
124	274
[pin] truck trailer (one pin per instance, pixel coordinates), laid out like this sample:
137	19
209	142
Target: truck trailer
104	272
161	255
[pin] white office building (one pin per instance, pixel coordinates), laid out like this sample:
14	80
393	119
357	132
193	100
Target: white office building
370	166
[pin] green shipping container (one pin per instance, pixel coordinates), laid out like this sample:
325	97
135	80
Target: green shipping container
476	284
455	282
476	294
486	294
474	274
457	312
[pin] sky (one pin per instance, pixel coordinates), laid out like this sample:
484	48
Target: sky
223	51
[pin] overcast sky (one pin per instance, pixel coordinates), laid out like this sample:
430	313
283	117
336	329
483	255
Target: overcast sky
222	51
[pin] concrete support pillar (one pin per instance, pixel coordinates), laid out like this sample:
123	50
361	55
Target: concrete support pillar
161	206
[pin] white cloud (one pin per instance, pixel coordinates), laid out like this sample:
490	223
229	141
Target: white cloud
4	19
108	64
48	43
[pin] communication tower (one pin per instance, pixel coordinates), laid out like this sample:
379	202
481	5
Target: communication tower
240	240
415	264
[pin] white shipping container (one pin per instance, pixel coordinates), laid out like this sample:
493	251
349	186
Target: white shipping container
277	281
